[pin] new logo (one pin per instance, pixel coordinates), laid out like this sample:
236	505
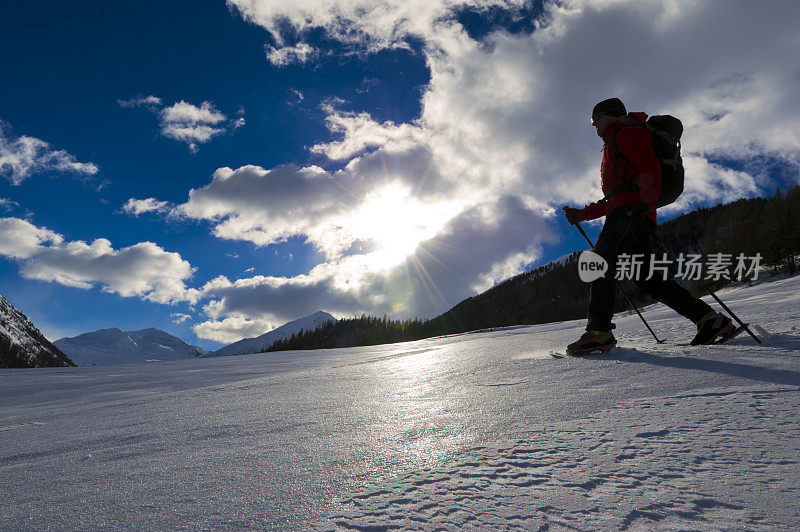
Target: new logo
591	266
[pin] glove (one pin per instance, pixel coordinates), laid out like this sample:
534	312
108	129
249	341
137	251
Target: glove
639	213
572	215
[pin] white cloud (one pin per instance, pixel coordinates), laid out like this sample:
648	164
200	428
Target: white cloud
20	239
473	251
232	329
511	111
359	132
190	124
503	137
375	201
142	101
24	156
183	112
142	270
178	317
297	96
286	55
186	122
7	204
362	24
135	207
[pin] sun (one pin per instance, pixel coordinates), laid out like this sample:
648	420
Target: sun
395	222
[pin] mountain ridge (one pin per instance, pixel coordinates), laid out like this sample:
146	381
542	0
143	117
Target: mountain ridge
22	345
260	343
115	346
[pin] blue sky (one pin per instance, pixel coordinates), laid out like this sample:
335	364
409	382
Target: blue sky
215	169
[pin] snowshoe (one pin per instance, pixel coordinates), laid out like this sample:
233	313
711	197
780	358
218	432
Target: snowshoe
712	326
733	333
592	342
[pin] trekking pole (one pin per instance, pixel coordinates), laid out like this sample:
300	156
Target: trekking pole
711	292
630	302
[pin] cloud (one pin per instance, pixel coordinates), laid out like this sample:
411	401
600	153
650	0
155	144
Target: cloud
142	270
146	101
359	132
135	207
24	156
286	55
7	204
297	97
361	25
428	212
511	110
378	200
178	317
186	122
472	252
183	112
190	124
20	239
232	329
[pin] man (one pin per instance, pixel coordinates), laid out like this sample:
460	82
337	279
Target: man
631	180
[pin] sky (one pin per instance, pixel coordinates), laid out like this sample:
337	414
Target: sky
217	169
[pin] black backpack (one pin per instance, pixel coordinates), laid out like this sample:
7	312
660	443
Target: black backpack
666	131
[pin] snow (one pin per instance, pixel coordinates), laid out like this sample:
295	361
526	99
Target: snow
13	324
115	346
21	341
481	430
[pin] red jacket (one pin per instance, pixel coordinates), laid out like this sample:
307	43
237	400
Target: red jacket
638	161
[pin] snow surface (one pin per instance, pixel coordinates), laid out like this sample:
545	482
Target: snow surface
481	430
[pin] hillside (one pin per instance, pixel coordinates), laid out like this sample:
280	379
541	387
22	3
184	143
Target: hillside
115	346
22	345
261	343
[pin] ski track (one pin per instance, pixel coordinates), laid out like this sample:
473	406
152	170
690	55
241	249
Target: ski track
477	430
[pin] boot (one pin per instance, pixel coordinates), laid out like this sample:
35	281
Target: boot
710	327
592	342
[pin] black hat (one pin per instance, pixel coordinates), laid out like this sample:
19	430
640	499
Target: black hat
610	107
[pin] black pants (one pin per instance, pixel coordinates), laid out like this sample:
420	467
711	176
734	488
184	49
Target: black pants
620	234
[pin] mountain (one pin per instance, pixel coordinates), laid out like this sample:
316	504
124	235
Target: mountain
114	346
22	345
261	343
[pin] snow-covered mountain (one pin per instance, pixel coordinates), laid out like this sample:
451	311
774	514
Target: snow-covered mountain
22	345
114	346
259	343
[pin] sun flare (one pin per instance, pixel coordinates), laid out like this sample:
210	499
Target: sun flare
395	222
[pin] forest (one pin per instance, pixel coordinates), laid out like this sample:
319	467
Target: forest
554	292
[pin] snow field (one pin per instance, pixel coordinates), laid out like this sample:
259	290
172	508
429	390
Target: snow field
480	430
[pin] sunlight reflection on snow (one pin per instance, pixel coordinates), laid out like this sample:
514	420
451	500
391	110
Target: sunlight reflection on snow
414	407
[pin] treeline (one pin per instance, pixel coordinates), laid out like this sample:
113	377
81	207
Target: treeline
770	227
554	292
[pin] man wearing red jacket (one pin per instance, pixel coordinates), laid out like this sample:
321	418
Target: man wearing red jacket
631	181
